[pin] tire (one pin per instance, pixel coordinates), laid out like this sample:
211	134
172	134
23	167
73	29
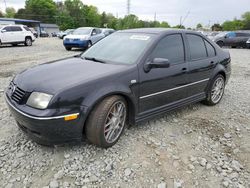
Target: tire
211	99
106	123
89	44
28	41
68	48
220	44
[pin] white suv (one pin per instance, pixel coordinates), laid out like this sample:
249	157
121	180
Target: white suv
16	34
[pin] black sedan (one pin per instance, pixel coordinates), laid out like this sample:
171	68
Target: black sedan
125	78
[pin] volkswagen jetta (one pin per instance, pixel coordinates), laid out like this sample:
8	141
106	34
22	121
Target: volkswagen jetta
125	78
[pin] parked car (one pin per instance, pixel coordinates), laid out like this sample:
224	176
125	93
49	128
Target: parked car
248	43
33	31
233	39
44	34
83	37
62	34
16	34
127	77
107	31
54	34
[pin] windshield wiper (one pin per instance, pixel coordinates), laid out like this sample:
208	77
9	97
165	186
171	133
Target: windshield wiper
94	59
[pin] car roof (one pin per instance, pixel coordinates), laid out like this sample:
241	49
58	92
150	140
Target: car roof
156	30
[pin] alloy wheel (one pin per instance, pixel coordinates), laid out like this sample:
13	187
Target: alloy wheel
115	122
217	90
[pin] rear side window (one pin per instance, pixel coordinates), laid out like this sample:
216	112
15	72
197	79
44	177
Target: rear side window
242	34
197	47
171	47
16	28
26	28
210	49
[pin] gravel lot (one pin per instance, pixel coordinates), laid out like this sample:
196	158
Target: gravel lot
196	146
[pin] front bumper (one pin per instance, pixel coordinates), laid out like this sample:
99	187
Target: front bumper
48	130
73	43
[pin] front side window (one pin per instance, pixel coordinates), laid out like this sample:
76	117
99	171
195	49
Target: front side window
16	28
120	48
7	29
171	48
197	47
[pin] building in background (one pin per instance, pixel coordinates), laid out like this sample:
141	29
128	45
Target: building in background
37	25
49	28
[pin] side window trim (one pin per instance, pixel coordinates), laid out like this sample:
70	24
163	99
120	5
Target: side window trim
198	59
215	52
183	44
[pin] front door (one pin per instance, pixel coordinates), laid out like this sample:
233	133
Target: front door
162	86
7	35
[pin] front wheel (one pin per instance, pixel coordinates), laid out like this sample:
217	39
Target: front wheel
107	122
215	90
28	41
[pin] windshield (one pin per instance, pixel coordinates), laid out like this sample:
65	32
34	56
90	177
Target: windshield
120	48
81	32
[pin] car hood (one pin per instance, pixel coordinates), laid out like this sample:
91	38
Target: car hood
77	37
55	76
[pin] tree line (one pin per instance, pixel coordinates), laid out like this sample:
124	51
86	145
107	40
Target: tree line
73	14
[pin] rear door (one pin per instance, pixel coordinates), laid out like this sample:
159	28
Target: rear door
242	38
18	33
202	60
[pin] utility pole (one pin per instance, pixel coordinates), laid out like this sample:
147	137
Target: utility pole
5	4
128	7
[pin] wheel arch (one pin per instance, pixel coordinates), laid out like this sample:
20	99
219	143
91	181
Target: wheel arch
130	103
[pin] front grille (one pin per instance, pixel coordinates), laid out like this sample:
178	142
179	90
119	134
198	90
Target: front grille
18	95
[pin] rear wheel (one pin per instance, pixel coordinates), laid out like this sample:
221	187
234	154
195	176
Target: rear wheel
28	41
215	90
68	48
107	122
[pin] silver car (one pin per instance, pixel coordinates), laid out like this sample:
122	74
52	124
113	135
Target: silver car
83	38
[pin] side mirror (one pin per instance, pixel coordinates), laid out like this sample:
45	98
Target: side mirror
156	63
3	31
226	36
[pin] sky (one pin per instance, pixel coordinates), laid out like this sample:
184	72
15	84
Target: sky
206	12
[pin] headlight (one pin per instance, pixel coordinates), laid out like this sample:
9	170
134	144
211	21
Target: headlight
39	100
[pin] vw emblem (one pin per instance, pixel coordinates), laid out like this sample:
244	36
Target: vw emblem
13	89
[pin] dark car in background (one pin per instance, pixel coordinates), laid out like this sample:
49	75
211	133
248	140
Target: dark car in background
127	77
248	43
107	31
62	34
44	34
232	39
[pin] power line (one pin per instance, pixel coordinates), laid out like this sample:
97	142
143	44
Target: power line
128	7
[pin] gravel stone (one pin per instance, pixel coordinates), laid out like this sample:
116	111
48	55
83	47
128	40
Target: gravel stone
162	185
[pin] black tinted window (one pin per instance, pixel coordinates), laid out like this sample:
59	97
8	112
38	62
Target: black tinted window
171	48
197	47
26	28
7	29
242	34
16	28
210	49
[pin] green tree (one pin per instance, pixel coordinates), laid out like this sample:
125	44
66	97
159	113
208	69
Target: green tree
93	18
199	26
1	14
216	27
246	20
232	25
165	24
179	27
42	10
10	12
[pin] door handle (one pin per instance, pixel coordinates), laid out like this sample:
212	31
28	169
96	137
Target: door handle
184	69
